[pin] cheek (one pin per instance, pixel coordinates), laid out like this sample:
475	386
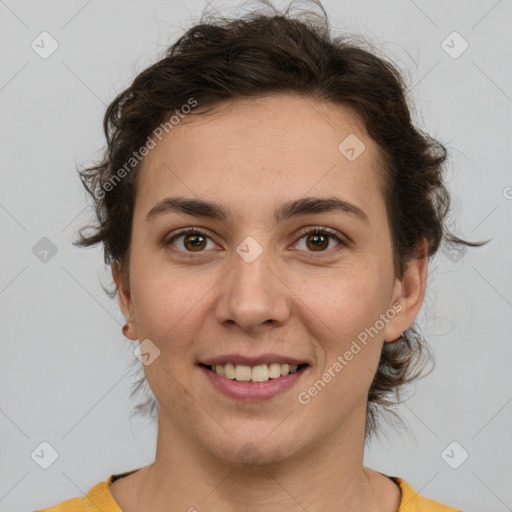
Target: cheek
344	301
343	315
341	320
166	307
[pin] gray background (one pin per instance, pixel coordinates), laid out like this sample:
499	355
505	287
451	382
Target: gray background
64	363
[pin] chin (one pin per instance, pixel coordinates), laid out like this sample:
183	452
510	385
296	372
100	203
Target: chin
255	447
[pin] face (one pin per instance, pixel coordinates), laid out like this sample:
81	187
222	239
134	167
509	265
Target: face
255	283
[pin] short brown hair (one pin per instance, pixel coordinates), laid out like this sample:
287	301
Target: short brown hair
223	59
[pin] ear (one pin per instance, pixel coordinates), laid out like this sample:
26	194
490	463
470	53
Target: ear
125	303
408	294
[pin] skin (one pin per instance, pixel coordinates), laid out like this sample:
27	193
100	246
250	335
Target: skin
294	299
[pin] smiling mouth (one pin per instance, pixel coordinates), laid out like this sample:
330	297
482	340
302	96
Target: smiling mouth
253	374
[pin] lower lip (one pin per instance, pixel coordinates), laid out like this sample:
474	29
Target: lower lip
253	392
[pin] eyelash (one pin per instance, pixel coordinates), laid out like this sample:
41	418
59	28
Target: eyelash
317	230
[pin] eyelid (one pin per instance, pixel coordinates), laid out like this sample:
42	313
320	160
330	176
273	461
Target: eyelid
184	231
342	240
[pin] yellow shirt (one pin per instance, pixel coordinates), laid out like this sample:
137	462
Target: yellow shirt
99	498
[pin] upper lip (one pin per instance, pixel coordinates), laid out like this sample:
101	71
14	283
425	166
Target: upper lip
252	361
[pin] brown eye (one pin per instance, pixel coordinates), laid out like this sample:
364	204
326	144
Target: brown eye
193	241
318	239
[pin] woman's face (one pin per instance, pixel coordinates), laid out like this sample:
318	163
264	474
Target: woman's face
254	284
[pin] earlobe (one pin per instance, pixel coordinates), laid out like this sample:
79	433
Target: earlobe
123	291
397	339
409	293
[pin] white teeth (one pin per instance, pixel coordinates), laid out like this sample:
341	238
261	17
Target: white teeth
229	370
274	370
259	373
242	372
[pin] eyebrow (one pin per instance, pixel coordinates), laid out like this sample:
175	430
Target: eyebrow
287	210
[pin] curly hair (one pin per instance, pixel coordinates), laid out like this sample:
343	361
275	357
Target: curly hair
222	59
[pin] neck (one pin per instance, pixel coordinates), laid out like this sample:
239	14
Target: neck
327	477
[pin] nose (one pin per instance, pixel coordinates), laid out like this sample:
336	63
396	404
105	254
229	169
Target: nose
253	295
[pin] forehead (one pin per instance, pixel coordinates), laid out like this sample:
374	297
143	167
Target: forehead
263	149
